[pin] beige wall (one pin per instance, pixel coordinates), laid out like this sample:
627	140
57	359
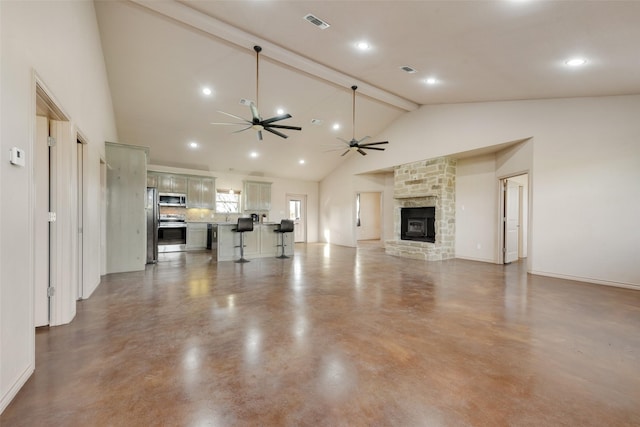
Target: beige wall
71	65
584	157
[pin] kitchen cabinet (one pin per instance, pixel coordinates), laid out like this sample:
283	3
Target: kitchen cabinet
152	180
201	193
196	235
260	243
257	196
169	183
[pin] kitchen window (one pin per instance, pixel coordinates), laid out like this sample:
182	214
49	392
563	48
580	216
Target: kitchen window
227	201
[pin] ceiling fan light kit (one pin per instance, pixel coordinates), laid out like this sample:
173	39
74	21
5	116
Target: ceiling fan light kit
257	123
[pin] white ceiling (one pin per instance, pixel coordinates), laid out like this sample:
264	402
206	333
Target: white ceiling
159	54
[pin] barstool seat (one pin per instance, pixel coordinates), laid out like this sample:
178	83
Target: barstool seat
244	225
286	226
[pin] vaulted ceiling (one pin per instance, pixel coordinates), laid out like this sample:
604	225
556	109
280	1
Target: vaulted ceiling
161	54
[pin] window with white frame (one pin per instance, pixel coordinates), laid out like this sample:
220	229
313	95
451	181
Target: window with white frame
227	201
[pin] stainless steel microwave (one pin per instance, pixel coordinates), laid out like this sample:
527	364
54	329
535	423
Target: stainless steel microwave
172	199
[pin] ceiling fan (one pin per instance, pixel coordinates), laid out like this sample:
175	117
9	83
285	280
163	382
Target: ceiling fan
354	144
256	122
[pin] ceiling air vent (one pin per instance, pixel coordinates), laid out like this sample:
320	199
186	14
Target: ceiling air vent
316	21
408	69
316	121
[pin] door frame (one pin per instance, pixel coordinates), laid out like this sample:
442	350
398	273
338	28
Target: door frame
500	246
303	197
62	263
380	210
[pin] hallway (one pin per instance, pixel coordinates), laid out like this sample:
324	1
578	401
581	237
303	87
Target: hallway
338	336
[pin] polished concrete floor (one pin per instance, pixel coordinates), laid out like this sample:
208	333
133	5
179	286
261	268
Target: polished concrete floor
338	337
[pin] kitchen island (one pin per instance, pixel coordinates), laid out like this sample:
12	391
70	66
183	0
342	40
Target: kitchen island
260	243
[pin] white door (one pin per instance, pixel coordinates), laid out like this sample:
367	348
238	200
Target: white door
368	216
41	227
297	206
511	220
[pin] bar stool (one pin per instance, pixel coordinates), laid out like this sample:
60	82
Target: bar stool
286	226
244	224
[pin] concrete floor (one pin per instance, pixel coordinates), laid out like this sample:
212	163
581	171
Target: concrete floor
338	336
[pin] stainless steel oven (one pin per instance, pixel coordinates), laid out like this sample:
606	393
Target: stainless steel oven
172	233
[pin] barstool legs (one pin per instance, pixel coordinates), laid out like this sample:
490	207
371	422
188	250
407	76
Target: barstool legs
282	246
242	258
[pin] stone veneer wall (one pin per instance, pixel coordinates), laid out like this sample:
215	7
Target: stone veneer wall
426	183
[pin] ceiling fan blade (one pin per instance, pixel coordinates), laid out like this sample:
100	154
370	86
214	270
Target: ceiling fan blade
275	132
372	148
363	139
276	119
243	129
361	152
234	116
259	135
283	127
254	111
229	124
373	143
344	140
345	153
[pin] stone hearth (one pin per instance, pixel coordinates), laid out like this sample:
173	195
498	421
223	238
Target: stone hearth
421	184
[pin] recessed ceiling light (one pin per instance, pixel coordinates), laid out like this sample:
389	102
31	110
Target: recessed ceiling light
254	154
336	126
362	45
575	62
431	81
193	144
301	161
279	111
206	91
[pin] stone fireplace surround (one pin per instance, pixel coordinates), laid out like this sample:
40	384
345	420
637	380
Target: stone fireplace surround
425	183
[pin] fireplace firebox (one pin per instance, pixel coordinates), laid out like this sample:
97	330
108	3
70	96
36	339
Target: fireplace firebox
418	224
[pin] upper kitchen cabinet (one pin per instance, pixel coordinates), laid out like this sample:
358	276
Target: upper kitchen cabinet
257	196
168	183
201	193
152	180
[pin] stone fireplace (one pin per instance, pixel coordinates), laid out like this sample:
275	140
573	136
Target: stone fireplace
424	210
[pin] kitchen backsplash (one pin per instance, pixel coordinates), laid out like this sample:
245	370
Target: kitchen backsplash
200	215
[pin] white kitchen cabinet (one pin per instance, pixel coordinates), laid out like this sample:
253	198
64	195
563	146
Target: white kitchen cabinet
196	235
257	196
152	180
260	243
169	183
201	193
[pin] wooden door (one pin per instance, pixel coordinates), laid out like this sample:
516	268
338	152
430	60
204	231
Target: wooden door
41	260
511	221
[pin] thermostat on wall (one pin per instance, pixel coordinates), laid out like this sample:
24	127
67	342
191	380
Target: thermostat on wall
17	156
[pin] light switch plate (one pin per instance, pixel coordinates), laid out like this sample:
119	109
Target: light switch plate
16	156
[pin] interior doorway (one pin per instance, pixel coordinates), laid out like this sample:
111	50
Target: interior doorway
297	211
56	206
368	216
514	208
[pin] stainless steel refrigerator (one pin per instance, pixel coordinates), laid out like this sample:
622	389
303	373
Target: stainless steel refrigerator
152	210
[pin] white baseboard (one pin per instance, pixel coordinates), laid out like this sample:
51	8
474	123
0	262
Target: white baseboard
468	258
588	280
15	388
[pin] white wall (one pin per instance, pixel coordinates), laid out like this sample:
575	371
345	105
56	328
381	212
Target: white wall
280	187
585	166
71	65
476	208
